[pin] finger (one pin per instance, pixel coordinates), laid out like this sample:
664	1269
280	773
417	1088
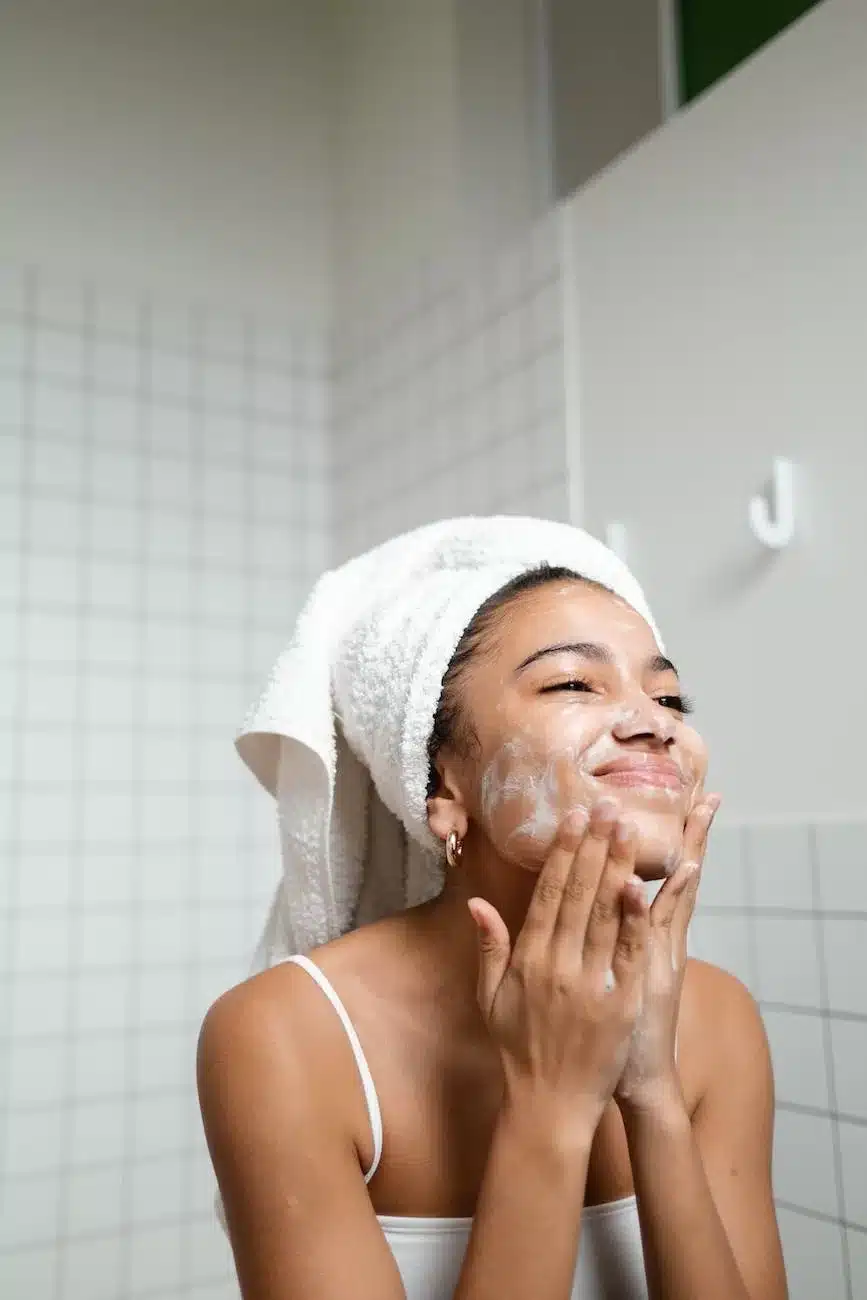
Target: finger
629	959
606	911
585	875
685	904
695	833
494	950
547	895
698	825
665	905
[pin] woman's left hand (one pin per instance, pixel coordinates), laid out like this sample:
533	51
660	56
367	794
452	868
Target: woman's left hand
650	1077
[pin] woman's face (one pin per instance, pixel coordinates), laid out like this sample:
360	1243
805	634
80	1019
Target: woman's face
571	701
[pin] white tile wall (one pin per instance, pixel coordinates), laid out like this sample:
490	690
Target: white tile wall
449	397
814	1257
799	903
163	511
849	1044
167	494
798	1052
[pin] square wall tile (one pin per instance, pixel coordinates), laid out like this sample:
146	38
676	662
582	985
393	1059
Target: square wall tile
165	1060
39	1006
29	1272
208	1250
38	1073
100	1066
102	1000
34	1141
157	1190
92	1268
724	941
804	1162
857	1242
853	1153
813	1252
155	1260
98	1132
849	1045
846	958
779	866
95	1200
842	854
787	960
723	879
160	1124
30	1217
798	1054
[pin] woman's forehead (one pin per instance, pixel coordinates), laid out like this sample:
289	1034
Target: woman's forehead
571	611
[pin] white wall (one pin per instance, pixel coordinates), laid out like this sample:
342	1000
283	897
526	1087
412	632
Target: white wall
165	304
719	276
715	282
176	145
449	398
606	83
440	139
396	139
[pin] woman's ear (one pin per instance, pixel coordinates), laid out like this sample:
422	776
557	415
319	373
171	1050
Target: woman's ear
446	811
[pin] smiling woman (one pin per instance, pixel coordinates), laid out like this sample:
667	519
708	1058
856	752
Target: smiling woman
519	1086
573	718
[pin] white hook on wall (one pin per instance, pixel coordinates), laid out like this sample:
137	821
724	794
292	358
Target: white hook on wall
615	539
772	520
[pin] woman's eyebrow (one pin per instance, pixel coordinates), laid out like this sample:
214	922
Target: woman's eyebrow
592	650
600	654
659	664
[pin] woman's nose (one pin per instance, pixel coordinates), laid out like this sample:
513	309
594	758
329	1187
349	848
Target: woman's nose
643	718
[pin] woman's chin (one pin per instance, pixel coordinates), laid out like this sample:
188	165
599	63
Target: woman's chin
660	842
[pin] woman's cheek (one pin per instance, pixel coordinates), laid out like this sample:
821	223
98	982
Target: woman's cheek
525	801
695	750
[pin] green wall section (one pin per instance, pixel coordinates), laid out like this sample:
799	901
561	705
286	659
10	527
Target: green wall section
717	35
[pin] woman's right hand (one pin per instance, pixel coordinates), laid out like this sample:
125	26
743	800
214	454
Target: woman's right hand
561	1005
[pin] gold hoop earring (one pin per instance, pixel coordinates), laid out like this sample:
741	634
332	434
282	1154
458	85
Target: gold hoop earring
454	848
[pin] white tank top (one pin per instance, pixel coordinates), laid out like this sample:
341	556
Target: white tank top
429	1251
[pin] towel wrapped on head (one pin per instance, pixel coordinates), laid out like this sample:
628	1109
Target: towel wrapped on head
340	734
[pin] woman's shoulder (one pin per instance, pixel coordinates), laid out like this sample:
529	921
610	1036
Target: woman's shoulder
278	1022
720	1021
712	991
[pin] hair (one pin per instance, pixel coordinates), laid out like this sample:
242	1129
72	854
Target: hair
452	725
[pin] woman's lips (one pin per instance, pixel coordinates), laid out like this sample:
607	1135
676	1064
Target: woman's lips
643	771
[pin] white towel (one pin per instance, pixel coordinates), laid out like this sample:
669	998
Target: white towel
340	734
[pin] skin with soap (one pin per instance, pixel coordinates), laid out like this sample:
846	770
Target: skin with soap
576	704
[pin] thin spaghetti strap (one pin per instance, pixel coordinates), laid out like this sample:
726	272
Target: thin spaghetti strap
370	1097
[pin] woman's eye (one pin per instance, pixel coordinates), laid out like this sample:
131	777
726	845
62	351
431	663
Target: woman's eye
574	684
677	703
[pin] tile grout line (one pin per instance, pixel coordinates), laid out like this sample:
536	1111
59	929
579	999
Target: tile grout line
195	864
820	1217
747	864
827	1042
78	796
136	732
16	732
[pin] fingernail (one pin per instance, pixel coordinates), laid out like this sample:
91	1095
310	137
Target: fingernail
606	809
623	832
576	821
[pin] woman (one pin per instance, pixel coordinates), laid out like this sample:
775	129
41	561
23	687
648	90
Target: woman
524	1071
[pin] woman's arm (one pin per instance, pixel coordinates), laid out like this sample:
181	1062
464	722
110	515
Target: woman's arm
524	1240
704	1187
300	1219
